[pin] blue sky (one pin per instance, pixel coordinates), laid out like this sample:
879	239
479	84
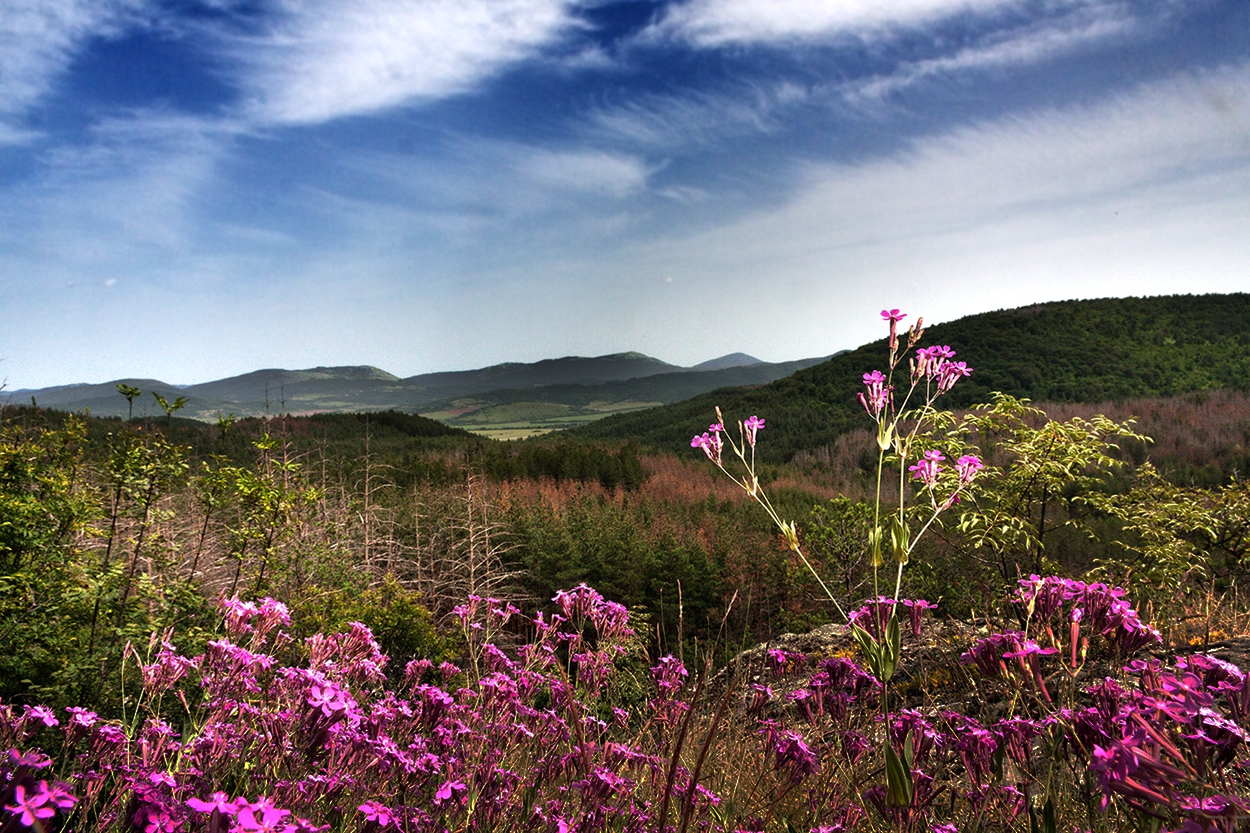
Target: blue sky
190	190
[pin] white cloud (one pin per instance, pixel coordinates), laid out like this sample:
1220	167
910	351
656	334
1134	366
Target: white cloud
477	189
338	58
719	22
1040	41
1146	193
590	172
692	119
131	192
38	41
1050	161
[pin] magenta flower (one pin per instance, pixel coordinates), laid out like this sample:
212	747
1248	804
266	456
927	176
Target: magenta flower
448	790
376	812
792	753
61	796
927	469
261	816
712	446
159	821
82	718
1027	649
968	466
158	778
33	759
951	373
915	612
752	426
43	714
329	698
879	394
893	316
29	808
934	363
218	802
669	674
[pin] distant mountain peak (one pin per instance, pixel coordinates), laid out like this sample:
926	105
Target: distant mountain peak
727	361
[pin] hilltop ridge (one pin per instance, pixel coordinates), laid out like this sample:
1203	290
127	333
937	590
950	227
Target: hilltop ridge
577	388
1062	351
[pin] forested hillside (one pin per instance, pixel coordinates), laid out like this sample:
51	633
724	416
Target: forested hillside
1071	351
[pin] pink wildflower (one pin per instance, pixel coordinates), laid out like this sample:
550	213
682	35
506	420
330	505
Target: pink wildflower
376	812
893	316
33	807
448	790
927	469
752	425
968	466
879	394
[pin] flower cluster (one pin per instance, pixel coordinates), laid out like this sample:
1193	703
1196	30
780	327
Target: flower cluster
880	394
873	614
325	743
711	443
1092	608
1163	746
525	740
935	365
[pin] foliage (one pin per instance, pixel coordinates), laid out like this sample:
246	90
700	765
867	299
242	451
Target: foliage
90	599
1047	471
617	547
578	461
1175	538
396	616
836	534
116	532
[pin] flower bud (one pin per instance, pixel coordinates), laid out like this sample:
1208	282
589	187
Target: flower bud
875	536
791	533
899	534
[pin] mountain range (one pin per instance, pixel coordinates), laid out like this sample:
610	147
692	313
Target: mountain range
570	390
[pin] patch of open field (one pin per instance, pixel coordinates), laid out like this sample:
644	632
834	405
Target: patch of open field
518	420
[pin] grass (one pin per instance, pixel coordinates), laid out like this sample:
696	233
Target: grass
519	420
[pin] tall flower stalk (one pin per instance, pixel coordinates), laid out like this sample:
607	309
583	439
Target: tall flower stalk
931	372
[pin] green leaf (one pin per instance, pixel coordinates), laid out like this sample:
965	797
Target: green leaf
996	762
899	537
870	647
875	537
892	647
899	789
1049	823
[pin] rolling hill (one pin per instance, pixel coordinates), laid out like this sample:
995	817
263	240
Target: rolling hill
531	410
1069	351
585	388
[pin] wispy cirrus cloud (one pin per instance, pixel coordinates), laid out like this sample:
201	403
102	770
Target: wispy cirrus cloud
692	119
39	39
134	191
591	172
1030	43
710	23
1141	193
322	61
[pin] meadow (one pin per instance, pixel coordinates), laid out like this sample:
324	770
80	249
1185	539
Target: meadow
1010	617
